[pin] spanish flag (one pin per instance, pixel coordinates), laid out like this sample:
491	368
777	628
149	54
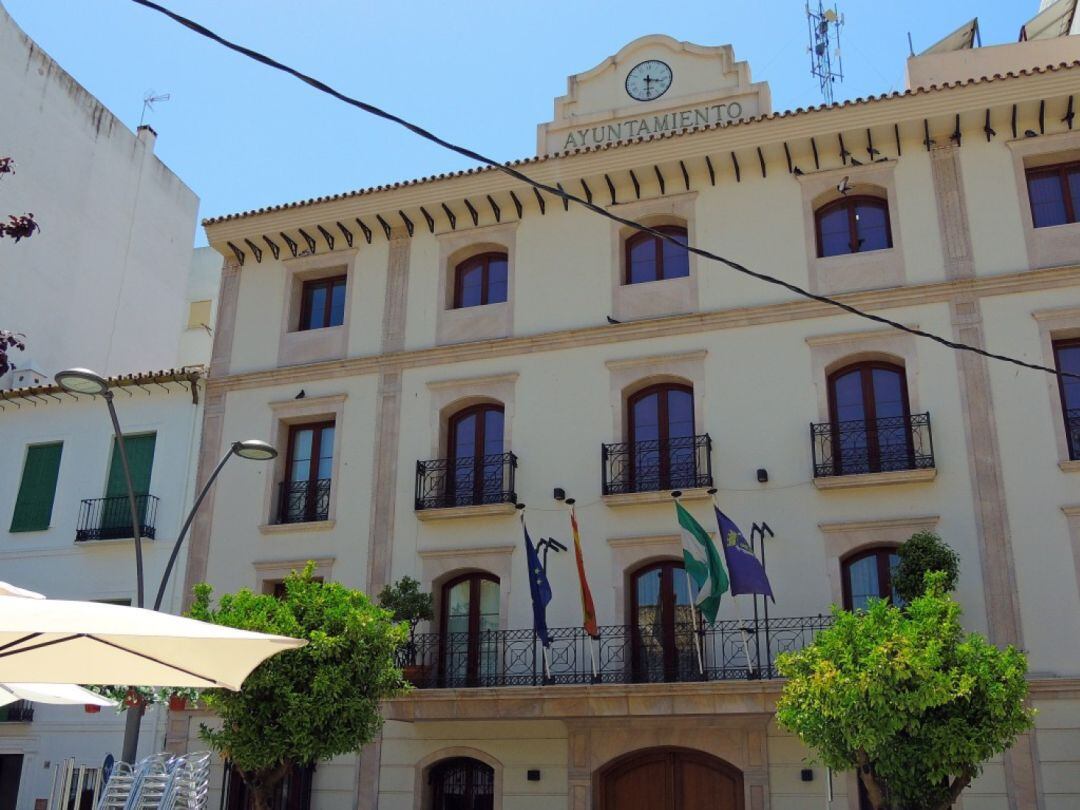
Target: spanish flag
588	610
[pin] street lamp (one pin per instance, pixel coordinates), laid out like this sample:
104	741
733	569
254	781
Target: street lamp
84	381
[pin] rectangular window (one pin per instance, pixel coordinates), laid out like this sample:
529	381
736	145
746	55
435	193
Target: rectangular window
115	510
198	314
1067	359
37	490
305	492
322	303
1054	193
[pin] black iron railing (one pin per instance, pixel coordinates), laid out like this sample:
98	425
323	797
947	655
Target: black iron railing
729	650
21	711
651	466
1072	432
889	444
472	481
110	518
303	501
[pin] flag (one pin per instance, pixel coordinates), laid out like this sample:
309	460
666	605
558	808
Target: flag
539	588
702	562
588	609
747	572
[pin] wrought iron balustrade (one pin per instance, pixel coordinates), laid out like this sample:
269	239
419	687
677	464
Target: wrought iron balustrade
303	501
110	518
656	465
889	444
19	711
730	650
1072	432
470	481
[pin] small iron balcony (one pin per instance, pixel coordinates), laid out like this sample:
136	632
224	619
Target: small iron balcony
472	481
657	465
303	501
889	444
110	518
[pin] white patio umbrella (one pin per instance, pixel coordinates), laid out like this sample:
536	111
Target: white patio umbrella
59	693
58	641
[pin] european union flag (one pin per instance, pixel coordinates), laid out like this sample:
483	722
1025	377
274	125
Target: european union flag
745	570
539	588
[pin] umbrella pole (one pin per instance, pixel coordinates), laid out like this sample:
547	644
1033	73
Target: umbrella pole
132	721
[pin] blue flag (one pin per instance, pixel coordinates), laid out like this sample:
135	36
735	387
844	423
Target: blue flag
539	588
745	570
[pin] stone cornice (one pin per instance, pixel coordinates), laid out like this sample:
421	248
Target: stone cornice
934	293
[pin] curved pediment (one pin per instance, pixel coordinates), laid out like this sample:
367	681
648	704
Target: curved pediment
707	86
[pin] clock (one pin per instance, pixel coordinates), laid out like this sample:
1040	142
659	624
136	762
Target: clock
648	80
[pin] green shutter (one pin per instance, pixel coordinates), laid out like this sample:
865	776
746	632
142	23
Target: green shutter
33	507
140	452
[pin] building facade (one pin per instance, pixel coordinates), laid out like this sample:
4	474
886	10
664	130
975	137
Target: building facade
431	353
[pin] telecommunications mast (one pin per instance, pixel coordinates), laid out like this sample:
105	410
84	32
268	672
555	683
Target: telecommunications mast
824	26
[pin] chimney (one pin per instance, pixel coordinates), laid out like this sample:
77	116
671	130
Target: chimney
147	135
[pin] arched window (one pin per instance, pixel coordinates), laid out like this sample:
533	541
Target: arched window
868	575
462	783
475	456
650	258
871	424
853	225
660	429
662	624
480	280
469	615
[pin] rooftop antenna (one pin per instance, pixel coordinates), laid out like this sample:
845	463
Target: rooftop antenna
824	26
148	102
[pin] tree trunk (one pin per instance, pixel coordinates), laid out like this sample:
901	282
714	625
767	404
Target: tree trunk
955	789
875	791
261	784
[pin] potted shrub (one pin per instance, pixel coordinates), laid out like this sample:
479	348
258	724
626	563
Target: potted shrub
411	605
177	702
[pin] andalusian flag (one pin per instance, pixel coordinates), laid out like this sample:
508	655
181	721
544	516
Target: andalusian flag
588	609
702	562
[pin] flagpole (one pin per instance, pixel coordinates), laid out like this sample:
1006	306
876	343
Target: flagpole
676	494
544	652
591	640
742	608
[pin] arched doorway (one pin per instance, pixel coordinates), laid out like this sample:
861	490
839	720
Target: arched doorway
669	779
462	783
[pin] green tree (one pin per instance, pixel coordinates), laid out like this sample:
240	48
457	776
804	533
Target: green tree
905	698
924	551
305	705
409	604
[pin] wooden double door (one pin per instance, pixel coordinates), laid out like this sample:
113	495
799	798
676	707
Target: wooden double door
669	779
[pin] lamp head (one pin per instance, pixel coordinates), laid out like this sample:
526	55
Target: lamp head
81	381
254	450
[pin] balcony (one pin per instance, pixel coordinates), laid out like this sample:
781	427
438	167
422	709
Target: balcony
20	711
895	448
110	518
303	501
732	650
463	482
1072	433
657	465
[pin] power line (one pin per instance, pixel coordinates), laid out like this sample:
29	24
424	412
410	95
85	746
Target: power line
565	195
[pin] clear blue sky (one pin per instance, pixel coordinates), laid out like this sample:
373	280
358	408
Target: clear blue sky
481	73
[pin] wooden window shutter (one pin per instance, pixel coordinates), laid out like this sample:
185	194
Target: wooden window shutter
37	490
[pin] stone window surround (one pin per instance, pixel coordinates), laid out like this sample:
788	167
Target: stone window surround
1056	245
314	345
480	322
630	375
450	396
872	270
438	566
1072	516
283	415
1061	323
845	538
653	299
628	555
275	570
422	789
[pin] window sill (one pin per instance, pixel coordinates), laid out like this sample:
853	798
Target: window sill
453	512
878	479
659	496
289	528
1069	466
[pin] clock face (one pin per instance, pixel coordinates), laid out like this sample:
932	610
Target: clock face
648	80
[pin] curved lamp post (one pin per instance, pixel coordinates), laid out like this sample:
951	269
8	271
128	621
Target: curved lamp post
84	381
